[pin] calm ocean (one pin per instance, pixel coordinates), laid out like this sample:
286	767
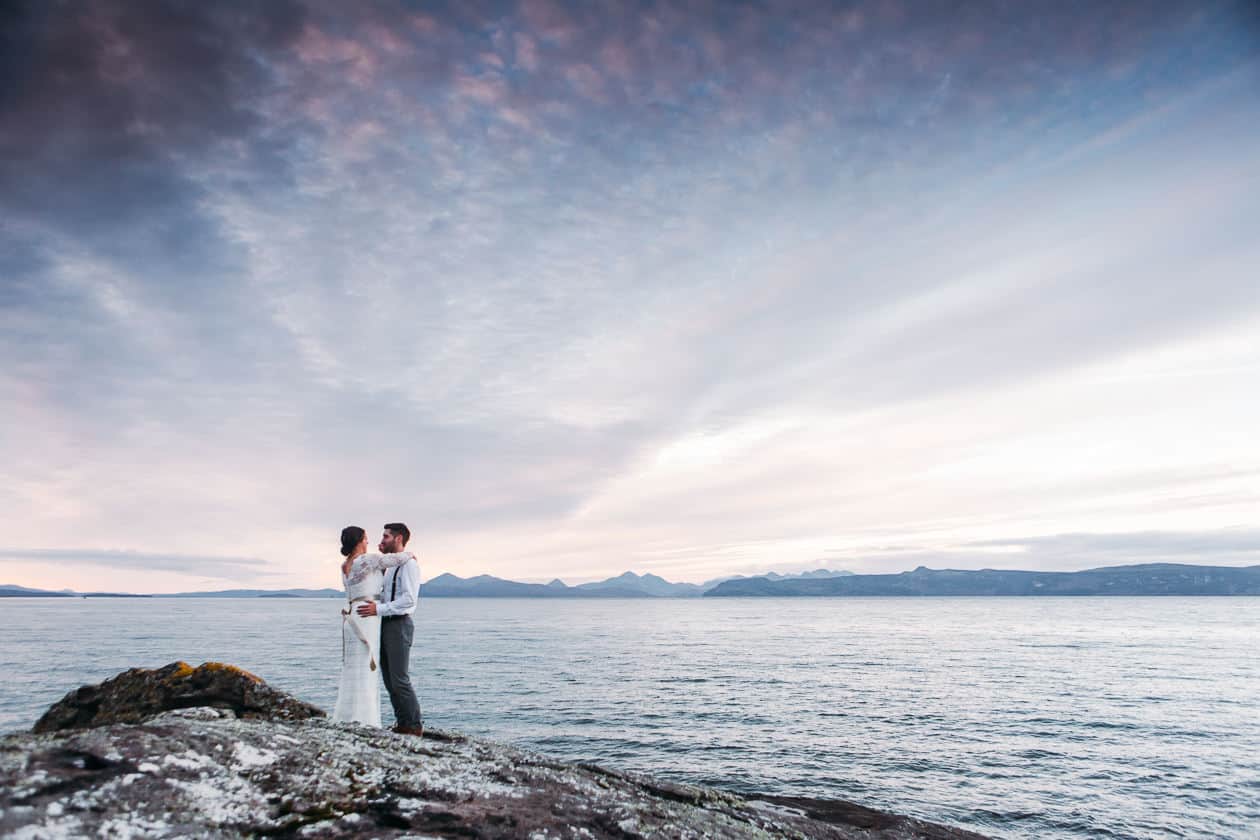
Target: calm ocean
1037	717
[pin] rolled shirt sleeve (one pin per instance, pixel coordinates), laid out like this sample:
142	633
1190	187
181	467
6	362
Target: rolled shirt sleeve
407	590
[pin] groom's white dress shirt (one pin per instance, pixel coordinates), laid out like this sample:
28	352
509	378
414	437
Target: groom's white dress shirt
402	585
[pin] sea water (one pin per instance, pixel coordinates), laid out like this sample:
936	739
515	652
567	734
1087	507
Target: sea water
1017	717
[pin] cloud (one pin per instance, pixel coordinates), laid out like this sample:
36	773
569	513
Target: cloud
269	269
223	568
107	103
1074	552
1239	544
116	121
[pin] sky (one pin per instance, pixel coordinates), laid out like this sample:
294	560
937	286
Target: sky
692	289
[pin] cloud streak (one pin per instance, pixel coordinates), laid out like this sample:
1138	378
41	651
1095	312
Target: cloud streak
1075	552
51	559
583	287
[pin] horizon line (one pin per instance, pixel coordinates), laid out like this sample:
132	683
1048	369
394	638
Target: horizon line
719	580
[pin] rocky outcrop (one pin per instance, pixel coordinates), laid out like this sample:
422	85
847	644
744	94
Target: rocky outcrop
205	772
139	693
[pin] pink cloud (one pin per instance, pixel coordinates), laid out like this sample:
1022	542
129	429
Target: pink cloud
357	61
358	142
424	23
386	39
586	81
549	21
526	51
615	58
487	90
516	117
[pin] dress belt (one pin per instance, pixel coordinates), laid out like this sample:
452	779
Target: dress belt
358	631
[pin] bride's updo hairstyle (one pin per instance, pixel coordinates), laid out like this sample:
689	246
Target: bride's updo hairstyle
351	536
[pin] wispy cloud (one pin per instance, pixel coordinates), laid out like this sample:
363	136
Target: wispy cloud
52	559
1072	552
1240	545
585	287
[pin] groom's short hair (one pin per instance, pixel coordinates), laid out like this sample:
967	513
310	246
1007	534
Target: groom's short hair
399	529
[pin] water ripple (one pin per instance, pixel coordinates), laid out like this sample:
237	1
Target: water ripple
1020	718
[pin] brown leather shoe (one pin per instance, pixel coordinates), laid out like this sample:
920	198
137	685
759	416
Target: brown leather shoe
418	731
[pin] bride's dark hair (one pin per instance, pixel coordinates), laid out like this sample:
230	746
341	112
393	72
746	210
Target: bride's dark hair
351	536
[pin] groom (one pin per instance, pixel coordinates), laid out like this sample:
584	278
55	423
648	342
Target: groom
402	585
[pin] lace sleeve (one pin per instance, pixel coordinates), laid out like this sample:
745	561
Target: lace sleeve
381	562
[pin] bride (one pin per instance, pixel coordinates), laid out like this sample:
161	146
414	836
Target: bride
358	694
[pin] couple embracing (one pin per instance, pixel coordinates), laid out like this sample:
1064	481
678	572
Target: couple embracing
376	628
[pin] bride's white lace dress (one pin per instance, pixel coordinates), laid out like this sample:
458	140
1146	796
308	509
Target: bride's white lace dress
359	692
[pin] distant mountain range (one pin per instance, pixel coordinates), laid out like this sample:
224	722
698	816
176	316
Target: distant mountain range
11	590
1145	579
627	585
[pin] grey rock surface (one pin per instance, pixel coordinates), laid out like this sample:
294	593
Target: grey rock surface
204	772
139	693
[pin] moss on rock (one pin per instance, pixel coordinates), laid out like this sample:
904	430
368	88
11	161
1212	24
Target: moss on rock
138	694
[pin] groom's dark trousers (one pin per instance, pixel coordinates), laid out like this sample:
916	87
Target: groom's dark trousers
396	635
